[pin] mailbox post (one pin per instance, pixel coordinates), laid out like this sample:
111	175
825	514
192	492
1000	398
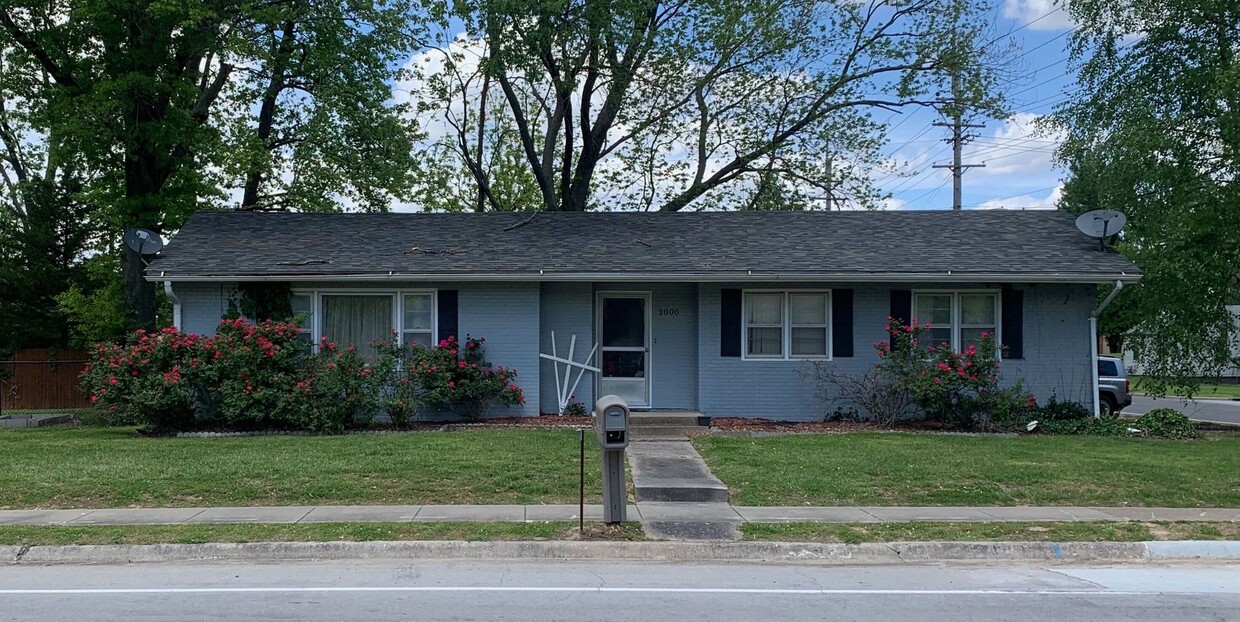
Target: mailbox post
611	424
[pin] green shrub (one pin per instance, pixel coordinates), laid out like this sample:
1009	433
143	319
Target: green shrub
338	389
258	376
1055	410
1159	423
451	378
249	371
147	381
1166	423
1087	427
959	389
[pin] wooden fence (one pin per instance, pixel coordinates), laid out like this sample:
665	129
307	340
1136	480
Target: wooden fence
42	379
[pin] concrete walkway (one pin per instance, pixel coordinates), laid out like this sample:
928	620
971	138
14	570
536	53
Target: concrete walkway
678	512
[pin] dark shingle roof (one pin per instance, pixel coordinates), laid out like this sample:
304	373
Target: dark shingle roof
1034	245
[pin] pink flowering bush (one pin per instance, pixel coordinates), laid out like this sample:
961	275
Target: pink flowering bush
249	370
148	380
338	388
248	376
957	388
450	377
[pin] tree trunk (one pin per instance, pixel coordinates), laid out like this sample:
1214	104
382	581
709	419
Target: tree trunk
267	112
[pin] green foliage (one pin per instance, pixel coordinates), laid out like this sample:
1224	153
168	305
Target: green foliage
960	389
1152	133
1055	410
96	310
245	377
447	377
141	382
1158	423
265	301
259	376
135	113
1167	423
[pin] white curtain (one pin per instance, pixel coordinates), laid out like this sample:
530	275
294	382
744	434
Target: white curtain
357	321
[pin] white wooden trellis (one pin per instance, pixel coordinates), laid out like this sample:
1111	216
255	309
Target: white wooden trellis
563	389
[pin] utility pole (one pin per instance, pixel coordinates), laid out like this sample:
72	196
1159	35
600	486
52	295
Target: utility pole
957	140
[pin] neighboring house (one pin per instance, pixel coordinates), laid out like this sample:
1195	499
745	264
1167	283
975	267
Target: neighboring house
1134	366
708	311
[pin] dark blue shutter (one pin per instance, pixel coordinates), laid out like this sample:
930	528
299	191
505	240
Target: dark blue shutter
901	308
730	322
447	314
842	322
1013	323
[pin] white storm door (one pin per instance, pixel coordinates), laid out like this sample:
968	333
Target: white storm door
624	325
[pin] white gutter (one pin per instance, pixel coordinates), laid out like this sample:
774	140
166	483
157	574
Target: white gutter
1093	343
176	304
703	277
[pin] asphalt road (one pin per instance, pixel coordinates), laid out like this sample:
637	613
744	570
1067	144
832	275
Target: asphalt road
1217	411
383	590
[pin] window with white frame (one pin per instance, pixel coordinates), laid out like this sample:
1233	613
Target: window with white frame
361	318
787	324
419	318
958	319
303	310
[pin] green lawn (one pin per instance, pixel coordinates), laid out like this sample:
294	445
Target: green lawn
854	533
113	467
320	532
933	469
1206	390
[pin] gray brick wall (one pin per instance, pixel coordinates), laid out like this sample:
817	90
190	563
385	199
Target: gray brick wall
567	309
202	305
517	318
506	314
1056	352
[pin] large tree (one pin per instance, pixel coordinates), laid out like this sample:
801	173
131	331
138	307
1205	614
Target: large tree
661	105
310	123
44	211
132	85
168	106
1154	131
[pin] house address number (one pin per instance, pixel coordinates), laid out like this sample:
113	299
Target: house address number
669	311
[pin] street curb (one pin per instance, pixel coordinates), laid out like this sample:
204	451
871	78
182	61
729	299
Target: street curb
845	554
1194	549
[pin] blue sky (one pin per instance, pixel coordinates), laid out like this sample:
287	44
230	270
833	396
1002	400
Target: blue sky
1018	156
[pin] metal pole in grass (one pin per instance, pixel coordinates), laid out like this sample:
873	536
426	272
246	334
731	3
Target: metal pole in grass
581	497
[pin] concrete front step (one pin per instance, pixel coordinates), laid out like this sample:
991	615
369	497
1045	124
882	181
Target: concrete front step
663	432
672	471
664	418
681	489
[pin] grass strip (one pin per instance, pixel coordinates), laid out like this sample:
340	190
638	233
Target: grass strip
889	469
856	533
114	467
310	532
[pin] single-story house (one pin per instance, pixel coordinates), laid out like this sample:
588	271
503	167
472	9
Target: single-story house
706	311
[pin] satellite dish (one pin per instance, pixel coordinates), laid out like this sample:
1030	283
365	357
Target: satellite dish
1101	224
143	242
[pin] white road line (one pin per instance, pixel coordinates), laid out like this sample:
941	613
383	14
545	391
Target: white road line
586	589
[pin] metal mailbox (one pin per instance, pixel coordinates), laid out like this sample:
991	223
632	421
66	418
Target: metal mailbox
611	422
611	425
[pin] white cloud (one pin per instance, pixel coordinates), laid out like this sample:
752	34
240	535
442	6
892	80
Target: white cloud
1026	201
1039	14
1018	147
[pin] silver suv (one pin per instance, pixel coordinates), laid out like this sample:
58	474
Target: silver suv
1114	389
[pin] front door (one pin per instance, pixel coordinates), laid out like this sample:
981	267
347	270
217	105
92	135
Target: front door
624	323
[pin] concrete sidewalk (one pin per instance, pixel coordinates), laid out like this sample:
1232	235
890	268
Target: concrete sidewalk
645	511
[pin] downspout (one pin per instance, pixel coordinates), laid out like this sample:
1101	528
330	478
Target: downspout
176	304
1093	343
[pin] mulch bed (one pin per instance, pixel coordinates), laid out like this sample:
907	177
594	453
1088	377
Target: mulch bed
541	421
741	424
